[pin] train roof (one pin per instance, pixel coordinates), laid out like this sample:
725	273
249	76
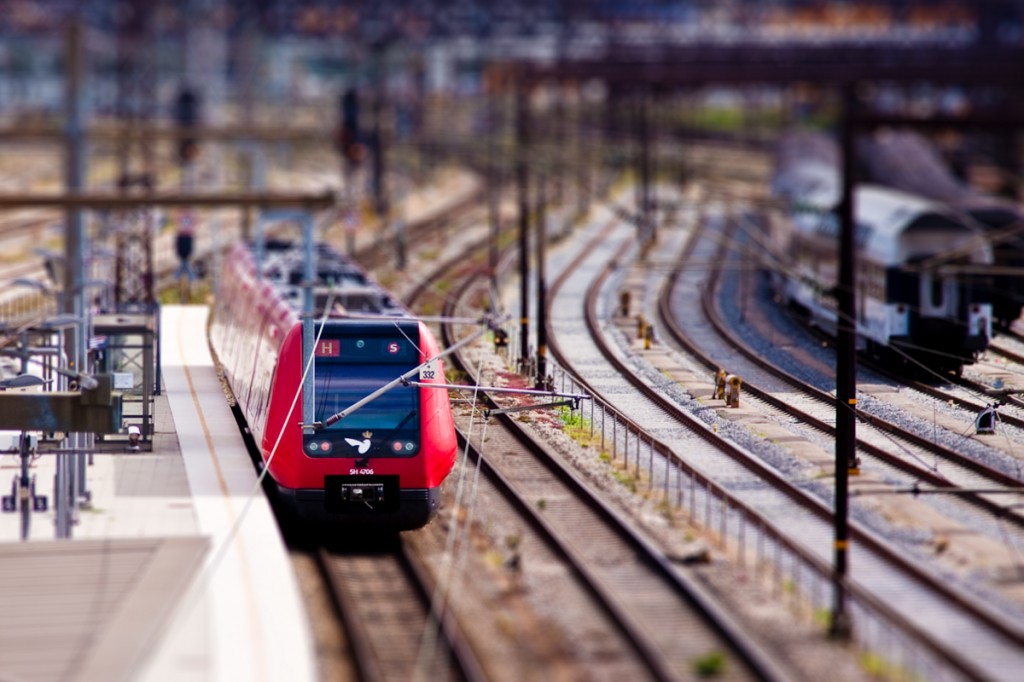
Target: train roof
900	227
807	169
892	226
812	184
338	282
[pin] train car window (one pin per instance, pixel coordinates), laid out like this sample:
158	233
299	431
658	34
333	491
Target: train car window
372	349
938	290
901	286
862	234
387	426
351	366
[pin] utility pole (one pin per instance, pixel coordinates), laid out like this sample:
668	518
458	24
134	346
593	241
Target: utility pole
247	59
646	227
378	171
494	178
582	158
522	183
557	134
135	89
186	114
542	292
65	488
351	152
846	367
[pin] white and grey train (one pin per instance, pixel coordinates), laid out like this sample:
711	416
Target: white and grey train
917	296
909	162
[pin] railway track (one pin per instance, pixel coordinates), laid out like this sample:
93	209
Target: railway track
917	453
386	622
977	475
599	627
670	627
807	513
384	597
973	395
981	385
586	631
956	465
926	460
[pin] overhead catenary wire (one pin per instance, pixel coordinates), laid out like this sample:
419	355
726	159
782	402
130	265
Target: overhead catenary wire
396	381
450	566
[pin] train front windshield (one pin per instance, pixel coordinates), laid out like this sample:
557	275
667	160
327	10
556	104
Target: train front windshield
351	368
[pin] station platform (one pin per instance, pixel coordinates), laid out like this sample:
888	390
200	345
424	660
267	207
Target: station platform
177	571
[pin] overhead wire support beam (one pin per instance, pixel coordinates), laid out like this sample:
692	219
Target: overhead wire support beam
141	131
982	120
111	201
486	319
573	397
697	65
400	380
527	408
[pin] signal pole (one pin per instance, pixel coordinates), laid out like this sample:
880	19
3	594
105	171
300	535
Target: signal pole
522	182
542	292
350	150
646	227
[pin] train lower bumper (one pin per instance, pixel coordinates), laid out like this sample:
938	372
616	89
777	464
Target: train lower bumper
370	501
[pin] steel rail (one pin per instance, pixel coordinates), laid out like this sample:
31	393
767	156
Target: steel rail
995	476
364	629
608	598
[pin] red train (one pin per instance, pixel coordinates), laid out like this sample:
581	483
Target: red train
382	464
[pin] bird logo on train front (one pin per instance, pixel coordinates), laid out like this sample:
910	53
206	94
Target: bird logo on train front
362	446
